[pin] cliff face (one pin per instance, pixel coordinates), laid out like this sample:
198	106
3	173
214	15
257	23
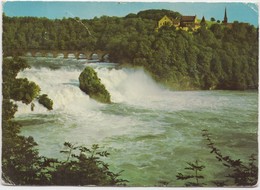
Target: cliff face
91	85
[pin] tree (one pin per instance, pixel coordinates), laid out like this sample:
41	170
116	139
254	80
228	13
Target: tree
84	168
212	19
24	90
156	15
242	174
195	168
217	30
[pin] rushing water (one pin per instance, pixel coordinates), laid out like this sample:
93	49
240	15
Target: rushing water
151	132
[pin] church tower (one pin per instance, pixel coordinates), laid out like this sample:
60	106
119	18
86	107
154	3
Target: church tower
203	21
225	21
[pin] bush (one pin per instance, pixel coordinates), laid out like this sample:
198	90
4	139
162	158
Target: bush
195	168
242	174
24	90
46	101
84	168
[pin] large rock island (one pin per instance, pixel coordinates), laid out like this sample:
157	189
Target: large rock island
91	85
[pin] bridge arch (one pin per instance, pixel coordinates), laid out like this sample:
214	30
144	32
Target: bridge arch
38	54
49	54
82	55
96	55
105	57
60	55
70	55
28	54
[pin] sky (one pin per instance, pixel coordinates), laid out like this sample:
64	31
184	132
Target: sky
242	12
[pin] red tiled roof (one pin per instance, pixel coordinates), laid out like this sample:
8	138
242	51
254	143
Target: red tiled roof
188	18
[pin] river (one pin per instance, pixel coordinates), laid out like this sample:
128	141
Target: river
150	131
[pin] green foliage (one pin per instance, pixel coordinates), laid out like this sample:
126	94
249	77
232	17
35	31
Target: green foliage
84	168
91	85
179	59
21	162
24	90
242	174
195	168
20	159
19	156
45	101
212	19
18	89
163	183
155	14
11	68
10	109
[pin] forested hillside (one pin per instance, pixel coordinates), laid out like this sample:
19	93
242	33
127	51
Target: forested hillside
209	58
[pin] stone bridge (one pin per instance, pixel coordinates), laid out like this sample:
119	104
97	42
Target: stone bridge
90	55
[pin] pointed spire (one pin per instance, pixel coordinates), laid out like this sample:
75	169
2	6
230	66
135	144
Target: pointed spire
203	20
225	17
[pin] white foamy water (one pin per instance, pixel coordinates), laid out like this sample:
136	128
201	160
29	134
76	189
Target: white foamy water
151	132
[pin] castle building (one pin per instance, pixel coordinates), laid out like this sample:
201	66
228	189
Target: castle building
165	21
184	23
188	21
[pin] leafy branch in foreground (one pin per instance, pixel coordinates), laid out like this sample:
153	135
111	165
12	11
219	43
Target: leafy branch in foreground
243	174
195	167
84	167
21	162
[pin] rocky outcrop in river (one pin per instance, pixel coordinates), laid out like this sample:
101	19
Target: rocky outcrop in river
91	85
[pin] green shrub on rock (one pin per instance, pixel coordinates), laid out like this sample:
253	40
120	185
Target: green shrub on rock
46	101
91	85
24	90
